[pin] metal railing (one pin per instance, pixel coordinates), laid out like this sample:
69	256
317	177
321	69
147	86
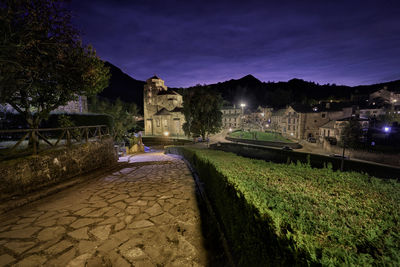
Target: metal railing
54	136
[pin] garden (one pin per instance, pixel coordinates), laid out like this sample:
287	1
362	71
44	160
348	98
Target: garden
258	135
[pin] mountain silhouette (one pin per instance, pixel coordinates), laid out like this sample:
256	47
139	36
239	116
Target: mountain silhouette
250	90
124	87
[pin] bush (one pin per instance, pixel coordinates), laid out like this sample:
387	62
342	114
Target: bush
279	214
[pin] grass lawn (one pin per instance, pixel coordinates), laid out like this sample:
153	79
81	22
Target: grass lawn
262	136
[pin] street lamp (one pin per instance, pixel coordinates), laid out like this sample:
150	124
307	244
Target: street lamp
242	105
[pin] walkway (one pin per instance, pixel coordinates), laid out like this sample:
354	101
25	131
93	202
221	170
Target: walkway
143	215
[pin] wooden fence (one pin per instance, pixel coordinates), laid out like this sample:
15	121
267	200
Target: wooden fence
53	136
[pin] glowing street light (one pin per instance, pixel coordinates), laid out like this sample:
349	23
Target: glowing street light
386	129
166	133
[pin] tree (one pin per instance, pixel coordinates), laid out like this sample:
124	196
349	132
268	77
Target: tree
43	64
352	133
123	114
202	110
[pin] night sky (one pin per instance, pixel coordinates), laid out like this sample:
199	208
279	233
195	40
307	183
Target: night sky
190	42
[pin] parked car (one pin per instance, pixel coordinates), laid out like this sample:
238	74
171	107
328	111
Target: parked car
312	140
287	148
338	156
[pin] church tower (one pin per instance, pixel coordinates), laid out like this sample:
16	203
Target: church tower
153	86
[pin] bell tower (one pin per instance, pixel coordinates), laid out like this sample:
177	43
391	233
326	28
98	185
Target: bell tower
151	88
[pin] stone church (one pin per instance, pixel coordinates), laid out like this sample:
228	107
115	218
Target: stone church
162	109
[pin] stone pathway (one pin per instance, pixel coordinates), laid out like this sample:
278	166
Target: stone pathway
143	215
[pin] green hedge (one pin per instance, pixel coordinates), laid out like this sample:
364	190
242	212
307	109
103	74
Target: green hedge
17	121
292	214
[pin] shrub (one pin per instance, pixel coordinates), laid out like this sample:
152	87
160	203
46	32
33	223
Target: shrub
292	214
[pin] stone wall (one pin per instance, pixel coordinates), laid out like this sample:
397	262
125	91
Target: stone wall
264	143
22	175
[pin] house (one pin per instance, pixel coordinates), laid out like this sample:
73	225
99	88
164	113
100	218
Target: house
303	122
162	109
385	96
333	130
231	117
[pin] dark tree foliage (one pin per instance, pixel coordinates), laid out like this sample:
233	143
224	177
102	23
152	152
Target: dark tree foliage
202	110
123	114
43	64
352	133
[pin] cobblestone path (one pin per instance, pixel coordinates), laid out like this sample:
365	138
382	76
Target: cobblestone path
143	215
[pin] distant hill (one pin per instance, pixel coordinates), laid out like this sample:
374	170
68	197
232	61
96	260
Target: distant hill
124	87
249	90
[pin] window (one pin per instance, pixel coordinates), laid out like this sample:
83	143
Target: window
323	115
294	128
288	128
288	120
329	132
324	132
158	122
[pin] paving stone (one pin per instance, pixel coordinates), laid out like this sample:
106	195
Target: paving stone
6	259
97	213
134	254
51	233
119	226
79	234
99	204
101	232
154	210
80	260
109	245
117	260
21	233
120	205
63	259
140	203
83	212
87	246
19	247
33	260
83	222
66	220
20	226
140	224
46	222
118	198
59	247
26	220
132	210
112	220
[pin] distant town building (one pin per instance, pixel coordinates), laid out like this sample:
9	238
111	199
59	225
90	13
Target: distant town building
76	106
162	109
231	117
385	96
333	130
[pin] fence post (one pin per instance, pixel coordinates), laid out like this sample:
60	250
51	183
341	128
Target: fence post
87	134
99	132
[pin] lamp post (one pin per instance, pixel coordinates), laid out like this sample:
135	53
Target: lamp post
242	105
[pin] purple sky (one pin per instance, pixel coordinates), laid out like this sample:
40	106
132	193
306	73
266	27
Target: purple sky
189	42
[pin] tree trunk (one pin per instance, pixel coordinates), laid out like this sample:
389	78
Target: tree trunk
33	137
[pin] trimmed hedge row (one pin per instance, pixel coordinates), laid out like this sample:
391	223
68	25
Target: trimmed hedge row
292	214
